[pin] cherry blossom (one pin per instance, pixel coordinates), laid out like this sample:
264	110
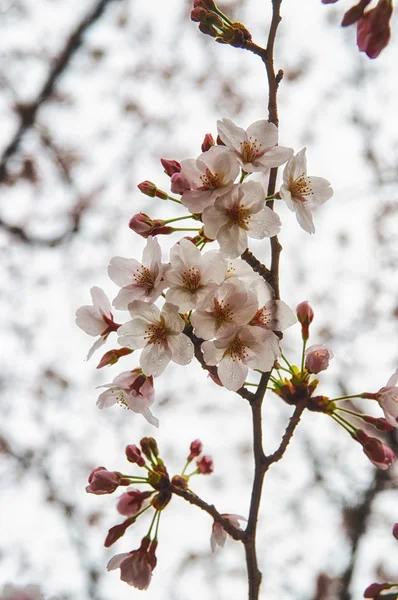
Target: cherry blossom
238	214
136	567
302	192
256	148
208	177
317	358
274	315
132	502
159	334
132	389
388	399
218	533
249	347
139	281
231	307
97	319
193	277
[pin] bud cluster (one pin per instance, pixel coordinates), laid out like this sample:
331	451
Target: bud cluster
214	23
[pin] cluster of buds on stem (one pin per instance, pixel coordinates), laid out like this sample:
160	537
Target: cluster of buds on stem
136	567
214	23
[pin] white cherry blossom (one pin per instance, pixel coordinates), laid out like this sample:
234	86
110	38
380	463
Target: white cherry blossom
133	390
96	319
274	315
238	214
231	307
208	177
302	192
256	148
388	399
139	281
218	533
193	277
252	347
159	334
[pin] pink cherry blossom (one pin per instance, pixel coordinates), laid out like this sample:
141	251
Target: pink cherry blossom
249	347
193	277
302	192
132	502
101	481
159	334
274	315
136	567
209	177
97	319
317	358
218	533
132	389
231	307
139	281
239	214
388	399
256	149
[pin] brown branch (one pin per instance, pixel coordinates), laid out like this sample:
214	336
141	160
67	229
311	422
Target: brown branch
287	436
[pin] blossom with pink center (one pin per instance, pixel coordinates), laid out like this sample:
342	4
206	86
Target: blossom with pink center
231	307
139	281
97	319
209	177
388	399
274	315
193	277
132	502
252	347
136	567
133	390
28	592
218	533
302	192
159	334
317	358
256	148
239	214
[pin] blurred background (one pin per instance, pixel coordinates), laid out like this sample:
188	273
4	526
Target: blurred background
91	96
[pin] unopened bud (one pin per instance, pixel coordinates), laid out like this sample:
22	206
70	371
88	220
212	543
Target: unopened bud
378	453
101	481
112	356
209	4
170	166
133	455
149	447
208	142
305	316
395	531
198	14
208	29
148	188
131	502
205	465
116	532
196	448
317	358
381	424
145	226
373	590
373	29
354	13
215	20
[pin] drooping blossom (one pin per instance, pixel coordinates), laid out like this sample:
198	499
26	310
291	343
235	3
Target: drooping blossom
28	592
96	320
218	533
317	358
193	277
132	502
388	399
209	177
139	281
239	214
256	148
231	307
101	481
132	389
378	453
302	192
159	334
252	347
136	567
373	29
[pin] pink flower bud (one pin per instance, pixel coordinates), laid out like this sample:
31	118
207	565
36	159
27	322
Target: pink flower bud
380	424
354	13
205	465
196	448
208	142
133	455
112	356
179	184
102	481
131	502
373	590
395	531
378	453
317	358
305	316
148	188
149	447
373	29
198	14
145	226
170	166
116	532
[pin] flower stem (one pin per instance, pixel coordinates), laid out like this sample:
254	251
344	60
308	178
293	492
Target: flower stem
346	397
177	219
185	229
303	354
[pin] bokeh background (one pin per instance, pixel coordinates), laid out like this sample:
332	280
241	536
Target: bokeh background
92	95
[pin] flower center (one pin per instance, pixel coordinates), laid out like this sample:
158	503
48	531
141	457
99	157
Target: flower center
262	318
250	149
211	181
240	216
143	277
191	279
222	313
237	349
301	187
156	333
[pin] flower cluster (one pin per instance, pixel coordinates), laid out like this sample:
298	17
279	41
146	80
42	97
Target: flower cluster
136	567
299	387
